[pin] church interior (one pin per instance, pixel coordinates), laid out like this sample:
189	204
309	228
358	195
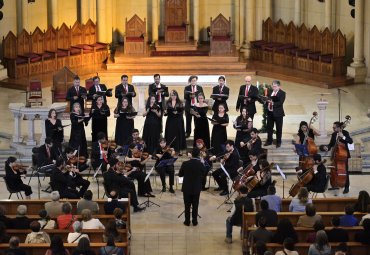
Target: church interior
319	50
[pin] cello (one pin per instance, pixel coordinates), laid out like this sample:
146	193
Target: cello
311	146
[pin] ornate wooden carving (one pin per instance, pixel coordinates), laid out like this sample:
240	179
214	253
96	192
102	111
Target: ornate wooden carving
280	32
220	35
176	29
64	37
37	41
135	37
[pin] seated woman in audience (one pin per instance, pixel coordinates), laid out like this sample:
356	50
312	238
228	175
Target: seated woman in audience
75	236
289	248
37	236
310	218
261	233
285	229
88	222
337	234
21	221
321	245
111	248
87	203
261	248
270	215
299	204
120	223
65	221
342	249
364	235
111	230
7	222
367	216
4	238
348	220
363	201
311	237
83	248
14	247
57	247
45	221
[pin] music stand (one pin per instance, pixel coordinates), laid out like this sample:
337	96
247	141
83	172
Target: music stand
149	203
283	176
166	162
95	176
47	169
227	200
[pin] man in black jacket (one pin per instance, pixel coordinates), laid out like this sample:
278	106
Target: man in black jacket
248	94
124	90
95	88
337	234
193	171
340	136
191	98
99	154
61	182
275	113
159	90
46	153
114	203
220	89
76	94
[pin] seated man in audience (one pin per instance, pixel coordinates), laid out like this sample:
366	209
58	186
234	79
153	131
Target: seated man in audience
87	203
21	221
4	237
7	222
273	200
270	215
348	220
114	203
63	182
37	236
88	222
337	234
364	235
54	208
76	235
367	216
66	220
310	218
261	233
120	223
45	221
14	247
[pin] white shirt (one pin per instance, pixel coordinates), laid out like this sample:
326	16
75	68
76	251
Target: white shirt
92	224
75	237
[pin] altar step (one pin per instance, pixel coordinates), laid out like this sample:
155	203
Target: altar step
161	46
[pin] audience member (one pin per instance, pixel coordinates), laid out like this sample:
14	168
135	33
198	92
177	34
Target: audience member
337	234
45	221
310	218
285	229
65	221
342	249
111	230
270	215
311	237
83	248
14	247
367	216
298	204
111	248
364	235
87	203
261	248
75	236
114	203
57	247
120	223
88	222
7	222
21	221
363	201
261	233
37	236
273	200
289	248
4	238
321	245
348	220
54	207
236	215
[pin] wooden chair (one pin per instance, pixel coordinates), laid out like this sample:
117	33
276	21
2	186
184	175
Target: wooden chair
88	84
220	35
62	80
34	93
136	37
12	191
176	25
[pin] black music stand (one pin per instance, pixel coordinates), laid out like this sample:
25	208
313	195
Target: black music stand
301	150
149	203
47	169
227	200
96	178
166	162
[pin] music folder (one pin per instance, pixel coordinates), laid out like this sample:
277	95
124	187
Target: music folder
167	162
301	150
219	95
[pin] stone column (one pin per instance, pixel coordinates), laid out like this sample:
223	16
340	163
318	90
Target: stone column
31	129
17	127
321	105
250	28
43	130
84	8
328	14
242	22
3	72
258	20
101	20
297	12
196	20
155	18
109	21
268	9
54	13
25	17
236	22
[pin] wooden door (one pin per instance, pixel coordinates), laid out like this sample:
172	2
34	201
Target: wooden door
175	12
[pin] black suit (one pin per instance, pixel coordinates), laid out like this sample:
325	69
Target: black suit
96	157
193	171
110	206
120	92
222	100
152	90
92	92
250	105
15	182
275	116
346	140
73	92
63	184
43	157
187	93
231	165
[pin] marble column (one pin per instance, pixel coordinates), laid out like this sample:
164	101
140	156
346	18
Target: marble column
268	9
322	105
101	20
328	14
242	21
31	129
43	130
258	20
155	17
17	127
114	23
54	13
109	21
25	17
3	72
84	10
250	28
297	12
196	20
236	23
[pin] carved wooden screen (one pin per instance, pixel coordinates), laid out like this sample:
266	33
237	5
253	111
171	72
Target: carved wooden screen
37	41
303	37
23	43
10	46
175	12
50	39
220	26
64	37
135	27
291	33
89	32
270	30
315	39
327	42
77	34
280	32
62	80
339	44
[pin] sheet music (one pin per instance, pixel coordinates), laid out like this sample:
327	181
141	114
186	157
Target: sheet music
97	171
223	168
280	172
148	175
351	146
181	180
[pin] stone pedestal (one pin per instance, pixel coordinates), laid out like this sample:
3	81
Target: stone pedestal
357	72
3	73
321	105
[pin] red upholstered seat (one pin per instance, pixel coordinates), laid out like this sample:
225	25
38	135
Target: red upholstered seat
47	55
60	95
100	46
271	46
314	55
220	38
84	47
62	53
20	60
327	58
258	43
75	51
33	57
302	53
134	39
176	28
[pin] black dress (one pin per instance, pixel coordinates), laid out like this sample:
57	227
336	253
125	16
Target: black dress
52	131
77	139
243	135
124	126
219	134
99	120
201	130
151	131
175	127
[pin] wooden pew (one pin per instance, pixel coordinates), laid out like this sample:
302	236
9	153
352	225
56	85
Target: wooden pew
39	249
321	204
95	235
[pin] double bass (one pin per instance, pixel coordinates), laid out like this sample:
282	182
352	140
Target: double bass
311	146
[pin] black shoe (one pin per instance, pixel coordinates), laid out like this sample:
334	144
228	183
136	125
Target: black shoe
141	195
151	195
171	190
186	223
195	223
267	144
224	193
346	190
333	188
138	209
164	189
217	189
278	145
187	136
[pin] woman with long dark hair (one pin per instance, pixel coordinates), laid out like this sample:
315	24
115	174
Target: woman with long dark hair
13	172
219	133
83	248
243	125
125	122
111	248
57	247
363	201
201	126
284	230
77	139
112	231
54	128
99	114
152	124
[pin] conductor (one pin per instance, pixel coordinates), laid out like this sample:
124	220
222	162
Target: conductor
193	171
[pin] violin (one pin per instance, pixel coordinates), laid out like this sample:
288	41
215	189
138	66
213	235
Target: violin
74	159
19	167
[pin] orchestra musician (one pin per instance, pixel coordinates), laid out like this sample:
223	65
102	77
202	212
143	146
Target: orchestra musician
318	183
62	183
263	175
47	153
54	128
191	92
100	152
223	93
230	162
253	144
305	132
13	172
341	136
275	113
125	115
95	89
76	94
99	114
248	94
152	124
114	179
205	159
124	90
165	152
220	120
77	138
201	126
243	125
